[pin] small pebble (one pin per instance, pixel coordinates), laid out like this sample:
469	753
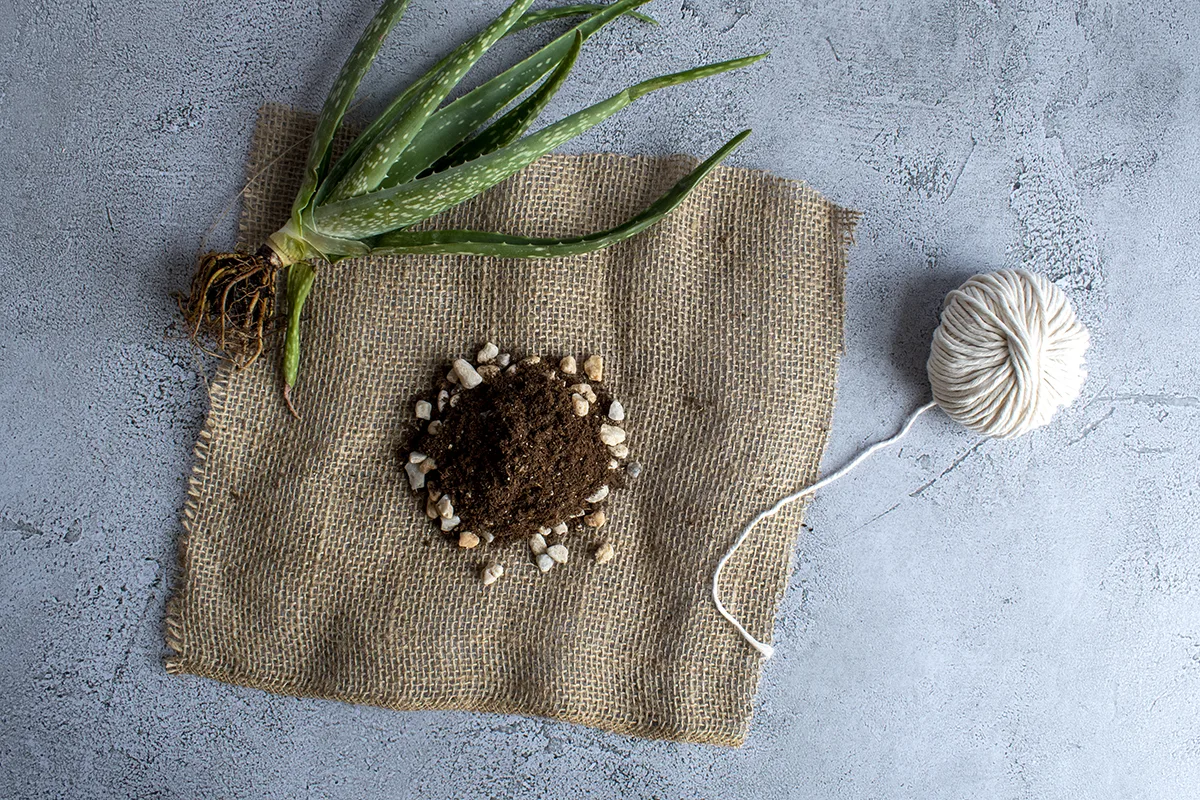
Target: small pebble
416	478
492	573
584	389
488	352
431	510
452	376
604	553
443	399
435	427
614	464
558	552
453	400
611	435
468	540
616	411
620	450
634	469
580	405
467	375
579	513
444	507
489	537
544	562
416	458
568	366
595	519
560	528
537	544
598	495
544	531
488	372
594	367
434	494
427	466
450	524
503	360
529	361
424	409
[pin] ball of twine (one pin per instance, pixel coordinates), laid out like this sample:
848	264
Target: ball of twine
1008	353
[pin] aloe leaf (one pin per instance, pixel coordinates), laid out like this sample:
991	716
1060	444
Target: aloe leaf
390	209
402	101
509	246
373	165
300	278
341	94
454	123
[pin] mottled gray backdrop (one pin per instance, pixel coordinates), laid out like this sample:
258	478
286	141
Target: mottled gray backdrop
967	618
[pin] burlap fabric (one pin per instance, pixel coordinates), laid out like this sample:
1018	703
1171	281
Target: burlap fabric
307	568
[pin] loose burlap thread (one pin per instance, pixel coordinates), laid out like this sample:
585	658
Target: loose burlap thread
307	566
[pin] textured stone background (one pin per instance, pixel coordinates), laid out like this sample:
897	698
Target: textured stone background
967	617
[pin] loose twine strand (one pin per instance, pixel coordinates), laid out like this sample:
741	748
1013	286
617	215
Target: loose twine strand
1006	356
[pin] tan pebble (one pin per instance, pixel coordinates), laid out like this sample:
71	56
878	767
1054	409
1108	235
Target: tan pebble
594	367
568	365
488	352
545	562
454	400
452	376
424	409
529	361
611	435
558	552
427	466
492	573
616	411
468	540
580	405
435	427
598	495
537	544
595	519
450	524
503	360
416	458
620	451
604	553
442	399
434	493
544	531
560	529
431	508
489	372
445	508
467	375
511	370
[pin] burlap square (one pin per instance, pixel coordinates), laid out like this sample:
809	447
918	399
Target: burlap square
307	568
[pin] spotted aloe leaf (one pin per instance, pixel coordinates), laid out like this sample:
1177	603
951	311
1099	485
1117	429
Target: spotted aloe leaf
509	246
390	209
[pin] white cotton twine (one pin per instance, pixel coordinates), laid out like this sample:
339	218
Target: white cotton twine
1007	355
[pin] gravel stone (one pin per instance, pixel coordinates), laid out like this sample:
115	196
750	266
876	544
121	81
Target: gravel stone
620	450
634	469
492	573
611	435
595	519
558	552
503	360
544	562
560	529
416	478
580	405
568	365
604	553
416	458
616	411
435	427
537	544
424	409
450	524
598	495
445	508
489	352
467	375
468	540
488	372
594	368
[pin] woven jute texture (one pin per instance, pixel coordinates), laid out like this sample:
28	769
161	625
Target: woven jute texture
307	566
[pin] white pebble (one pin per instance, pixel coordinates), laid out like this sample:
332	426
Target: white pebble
503	360
558	552
453	400
584	389
580	405
611	435
594	367
488	371
620	450
598	495
537	544
568	366
614	464
424	409
445	509
616	411
416	478
489	537
560	528
467	375
450	524
492	573
435	427
595	519
452	376
431	508
544	531
488	352
634	469
544	562
604	553
416	458
443	399
468	540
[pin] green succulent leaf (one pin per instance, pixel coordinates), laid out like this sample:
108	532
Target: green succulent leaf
509	246
300	277
341	94
390	209
373	165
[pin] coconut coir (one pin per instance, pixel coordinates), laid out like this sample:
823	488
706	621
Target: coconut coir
513	456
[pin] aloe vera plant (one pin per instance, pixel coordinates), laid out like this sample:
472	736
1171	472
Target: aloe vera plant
421	156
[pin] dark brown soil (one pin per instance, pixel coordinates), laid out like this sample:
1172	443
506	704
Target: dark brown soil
514	456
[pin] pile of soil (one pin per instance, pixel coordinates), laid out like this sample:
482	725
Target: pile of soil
514	455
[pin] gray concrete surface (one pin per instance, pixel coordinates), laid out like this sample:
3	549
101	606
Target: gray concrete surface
967	618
